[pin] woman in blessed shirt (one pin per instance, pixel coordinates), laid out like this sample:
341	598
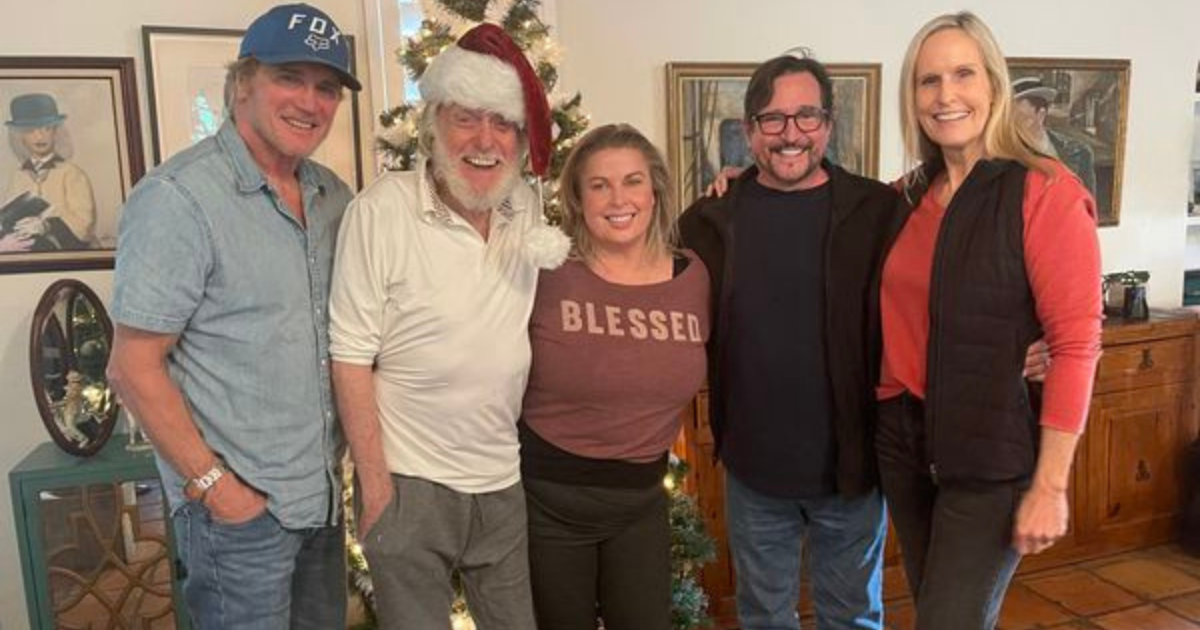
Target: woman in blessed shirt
618	336
996	247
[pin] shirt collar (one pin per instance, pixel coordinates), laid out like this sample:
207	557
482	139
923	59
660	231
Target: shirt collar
48	162
249	176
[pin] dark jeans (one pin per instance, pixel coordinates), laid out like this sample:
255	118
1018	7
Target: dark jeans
956	538
599	551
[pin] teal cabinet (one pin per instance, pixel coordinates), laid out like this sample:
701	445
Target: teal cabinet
95	541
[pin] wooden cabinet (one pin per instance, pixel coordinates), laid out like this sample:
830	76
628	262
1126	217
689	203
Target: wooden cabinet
1125	490
94	540
1142	418
1133	444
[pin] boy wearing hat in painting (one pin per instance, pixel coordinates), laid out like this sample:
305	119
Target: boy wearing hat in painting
1032	100
434	283
221	345
49	200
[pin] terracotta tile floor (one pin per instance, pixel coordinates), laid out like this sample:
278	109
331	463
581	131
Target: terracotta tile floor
1151	589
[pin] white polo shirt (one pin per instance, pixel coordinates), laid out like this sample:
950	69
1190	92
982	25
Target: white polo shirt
444	317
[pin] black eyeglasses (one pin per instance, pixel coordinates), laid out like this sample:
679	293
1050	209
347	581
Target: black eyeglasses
808	119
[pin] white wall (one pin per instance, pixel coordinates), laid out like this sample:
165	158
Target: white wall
616	51
104	28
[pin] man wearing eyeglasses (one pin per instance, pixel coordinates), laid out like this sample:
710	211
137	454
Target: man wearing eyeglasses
791	248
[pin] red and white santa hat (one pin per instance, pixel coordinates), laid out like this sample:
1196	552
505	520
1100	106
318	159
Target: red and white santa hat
487	70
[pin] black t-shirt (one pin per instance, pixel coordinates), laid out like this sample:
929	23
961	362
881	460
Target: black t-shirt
778	438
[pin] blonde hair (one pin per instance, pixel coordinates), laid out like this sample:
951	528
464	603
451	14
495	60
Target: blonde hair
236	72
242	71
64	147
1002	137
663	234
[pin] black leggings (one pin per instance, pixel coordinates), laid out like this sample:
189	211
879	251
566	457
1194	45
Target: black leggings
599	552
956	539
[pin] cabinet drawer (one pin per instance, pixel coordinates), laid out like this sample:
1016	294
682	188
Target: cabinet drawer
1135	365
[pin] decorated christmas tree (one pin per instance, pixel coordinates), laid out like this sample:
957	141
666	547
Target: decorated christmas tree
691	549
445	21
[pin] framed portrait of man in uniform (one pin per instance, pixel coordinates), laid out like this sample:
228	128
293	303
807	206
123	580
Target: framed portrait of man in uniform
1077	110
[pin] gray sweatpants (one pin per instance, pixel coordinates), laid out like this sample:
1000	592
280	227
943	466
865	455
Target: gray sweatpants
429	531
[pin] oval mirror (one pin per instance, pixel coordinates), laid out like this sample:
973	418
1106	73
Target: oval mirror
69	345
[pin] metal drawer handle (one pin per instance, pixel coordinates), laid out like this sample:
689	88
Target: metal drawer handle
1147	359
1143	471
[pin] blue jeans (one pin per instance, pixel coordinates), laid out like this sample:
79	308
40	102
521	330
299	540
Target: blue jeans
845	547
258	575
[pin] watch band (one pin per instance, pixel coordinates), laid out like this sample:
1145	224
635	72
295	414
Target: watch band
197	487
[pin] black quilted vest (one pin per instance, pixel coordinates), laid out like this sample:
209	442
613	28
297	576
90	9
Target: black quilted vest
979	419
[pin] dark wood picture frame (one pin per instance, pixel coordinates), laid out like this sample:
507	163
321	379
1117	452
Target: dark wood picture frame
99	135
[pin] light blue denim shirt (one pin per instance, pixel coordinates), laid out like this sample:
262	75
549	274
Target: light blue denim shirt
207	251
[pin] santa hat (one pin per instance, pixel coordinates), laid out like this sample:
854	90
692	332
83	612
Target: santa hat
487	70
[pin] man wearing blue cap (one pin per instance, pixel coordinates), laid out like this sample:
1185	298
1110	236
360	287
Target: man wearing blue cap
221	348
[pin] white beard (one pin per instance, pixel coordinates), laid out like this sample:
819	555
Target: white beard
461	190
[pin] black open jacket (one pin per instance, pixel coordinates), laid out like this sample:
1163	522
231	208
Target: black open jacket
862	222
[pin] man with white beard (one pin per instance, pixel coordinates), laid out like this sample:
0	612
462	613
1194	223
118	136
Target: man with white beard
433	285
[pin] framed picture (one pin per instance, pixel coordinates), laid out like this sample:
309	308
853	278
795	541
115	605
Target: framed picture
1079	108
185	75
74	153
1194	198
705	121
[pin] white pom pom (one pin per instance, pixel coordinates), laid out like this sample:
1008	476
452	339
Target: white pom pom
546	246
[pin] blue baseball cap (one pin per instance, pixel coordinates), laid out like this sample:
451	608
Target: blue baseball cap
299	33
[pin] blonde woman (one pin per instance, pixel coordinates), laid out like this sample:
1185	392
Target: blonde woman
618	336
996	246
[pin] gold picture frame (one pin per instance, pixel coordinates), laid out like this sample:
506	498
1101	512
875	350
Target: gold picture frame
704	120
1086	121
